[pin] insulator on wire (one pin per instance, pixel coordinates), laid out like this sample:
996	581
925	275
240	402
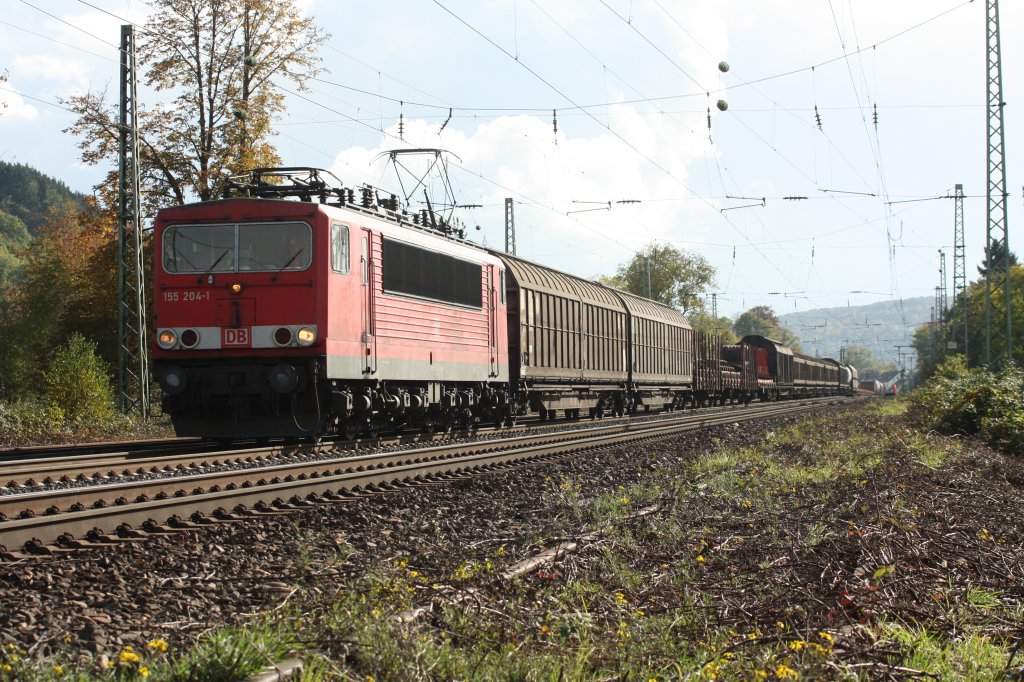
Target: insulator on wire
817	117
874	116
445	124
709	119
401	121
554	123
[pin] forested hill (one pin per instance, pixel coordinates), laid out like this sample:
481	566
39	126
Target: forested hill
28	195
26	198
878	326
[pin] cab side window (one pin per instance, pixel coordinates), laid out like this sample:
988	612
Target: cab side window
340	258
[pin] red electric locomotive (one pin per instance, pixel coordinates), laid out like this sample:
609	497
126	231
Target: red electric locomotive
277	317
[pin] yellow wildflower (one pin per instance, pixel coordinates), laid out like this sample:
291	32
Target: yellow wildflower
784	672
144	671
620	598
701	559
158	645
58	670
825	636
797	644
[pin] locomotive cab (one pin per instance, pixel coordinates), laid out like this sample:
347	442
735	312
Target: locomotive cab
238	319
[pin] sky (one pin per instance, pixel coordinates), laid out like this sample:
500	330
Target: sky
593	116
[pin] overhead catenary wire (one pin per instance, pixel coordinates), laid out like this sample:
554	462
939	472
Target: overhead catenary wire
566	123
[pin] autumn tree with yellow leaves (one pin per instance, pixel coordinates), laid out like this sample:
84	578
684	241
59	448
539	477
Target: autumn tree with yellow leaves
220	67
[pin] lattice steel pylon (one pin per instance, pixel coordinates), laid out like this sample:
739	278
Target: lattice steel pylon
943	290
997	275
960	257
133	365
510	227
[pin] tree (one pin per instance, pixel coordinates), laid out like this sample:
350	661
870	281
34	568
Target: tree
762	321
65	285
970	305
864	360
77	385
997	258
223	63
672	276
722	326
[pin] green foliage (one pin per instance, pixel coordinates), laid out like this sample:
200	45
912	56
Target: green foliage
67	284
973	401
229	654
932	342
866	362
676	277
702	320
30	198
28	421
761	320
77	384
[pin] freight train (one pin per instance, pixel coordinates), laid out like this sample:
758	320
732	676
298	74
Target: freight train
294	308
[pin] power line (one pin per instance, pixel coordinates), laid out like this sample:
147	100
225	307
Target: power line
68	23
59	42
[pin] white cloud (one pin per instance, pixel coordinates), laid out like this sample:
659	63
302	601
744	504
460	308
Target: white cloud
516	156
15	108
51	67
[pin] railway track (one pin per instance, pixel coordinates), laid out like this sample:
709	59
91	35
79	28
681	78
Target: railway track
125	449
95	463
82	516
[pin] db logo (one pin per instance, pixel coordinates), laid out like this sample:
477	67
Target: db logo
235	337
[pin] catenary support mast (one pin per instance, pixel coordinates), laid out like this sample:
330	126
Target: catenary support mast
998	318
133	366
510	227
959	258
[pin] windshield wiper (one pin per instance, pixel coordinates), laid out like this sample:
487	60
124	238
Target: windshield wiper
292	259
215	264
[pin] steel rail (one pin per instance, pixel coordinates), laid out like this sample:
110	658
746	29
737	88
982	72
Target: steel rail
124	448
222	493
110	463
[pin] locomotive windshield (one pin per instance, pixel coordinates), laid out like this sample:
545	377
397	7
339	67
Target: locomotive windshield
242	247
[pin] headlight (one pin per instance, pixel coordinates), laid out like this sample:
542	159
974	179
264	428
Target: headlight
283	336
166	338
189	338
306	336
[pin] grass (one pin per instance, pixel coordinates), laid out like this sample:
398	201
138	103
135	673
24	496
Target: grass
790	560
